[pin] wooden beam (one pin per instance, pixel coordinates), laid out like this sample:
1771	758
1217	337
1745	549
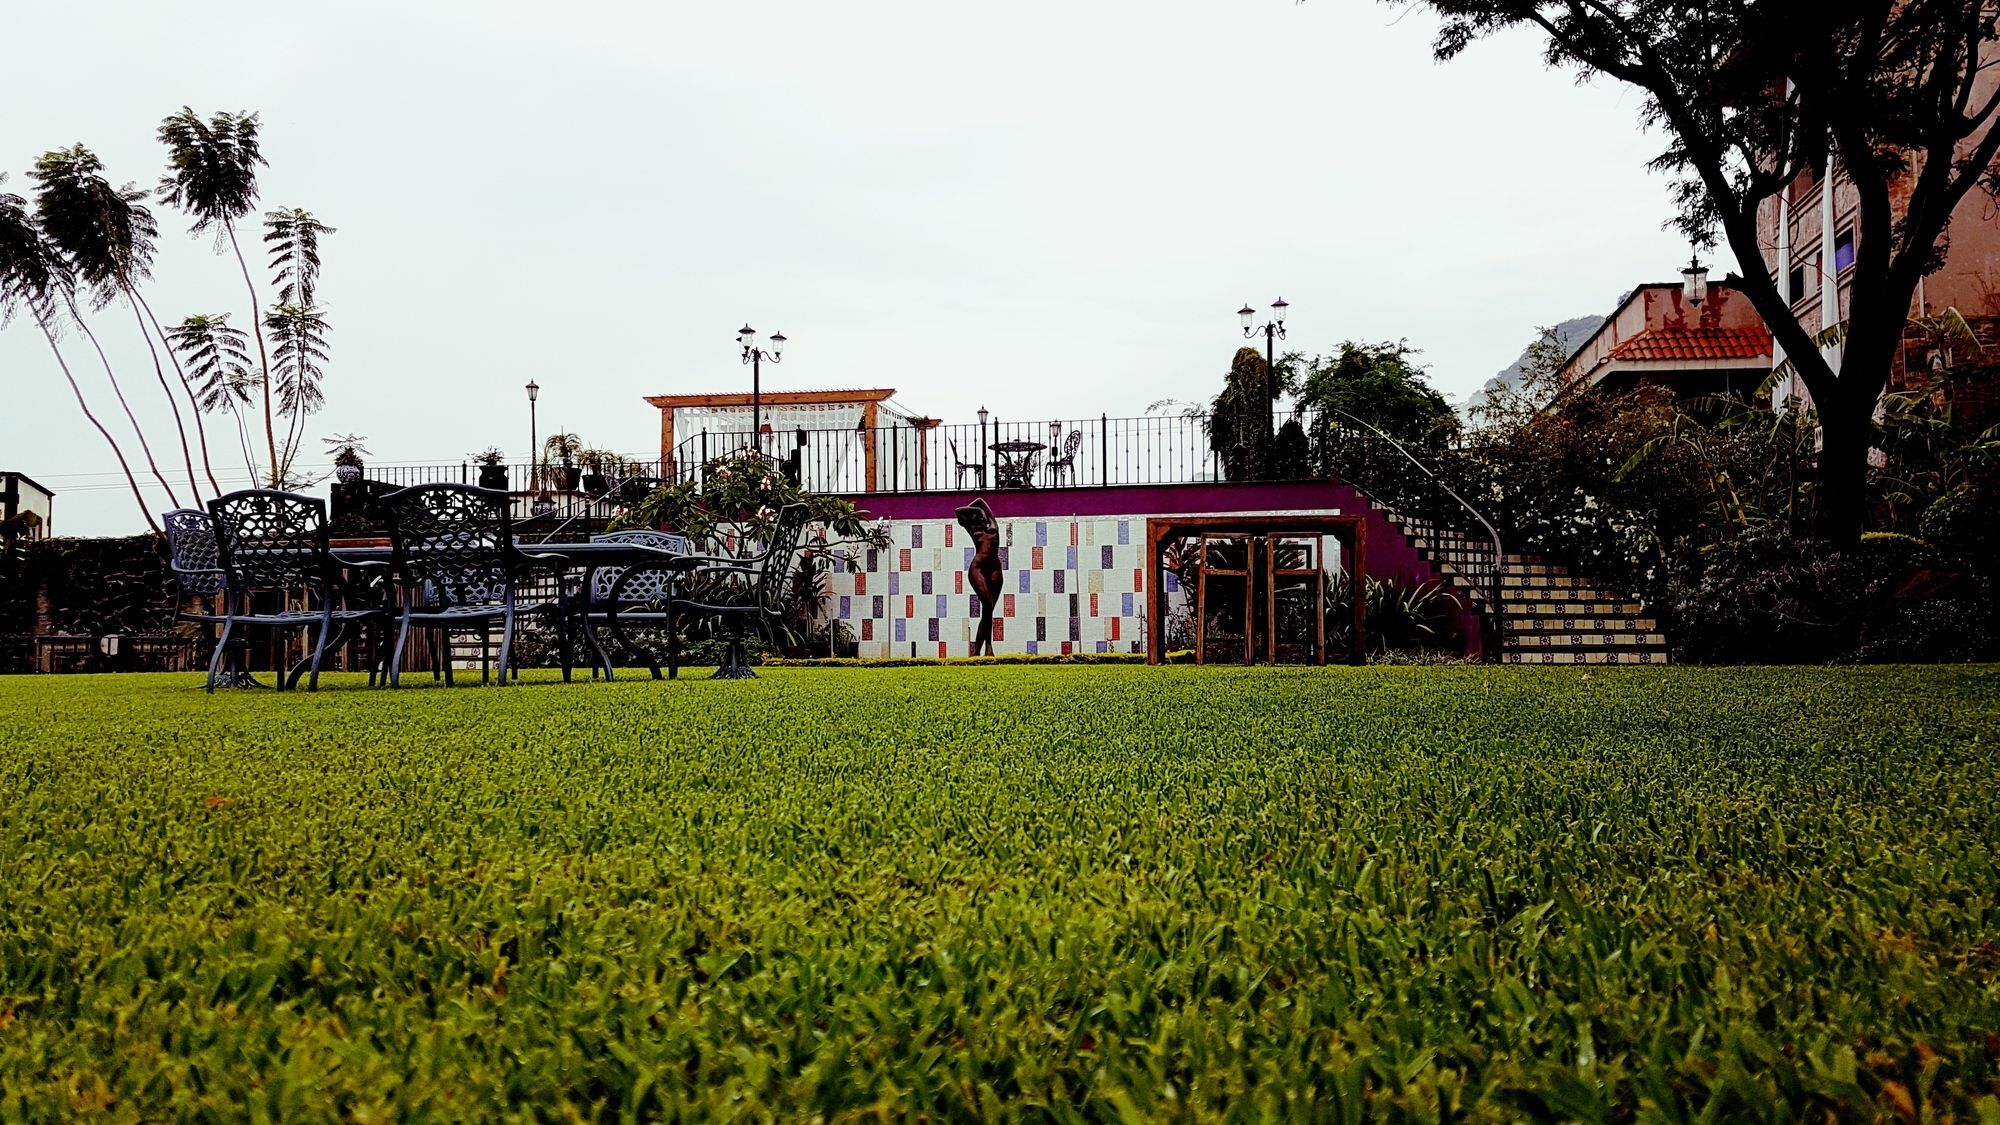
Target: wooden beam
774	398
868	444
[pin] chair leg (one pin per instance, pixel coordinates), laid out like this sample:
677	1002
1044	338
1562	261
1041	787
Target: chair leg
215	660
596	644
326	632
562	639
396	659
506	644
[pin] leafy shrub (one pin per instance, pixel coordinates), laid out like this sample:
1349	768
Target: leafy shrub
1401	618
1781	600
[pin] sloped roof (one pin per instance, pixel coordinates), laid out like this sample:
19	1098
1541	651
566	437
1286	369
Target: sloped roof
1671	344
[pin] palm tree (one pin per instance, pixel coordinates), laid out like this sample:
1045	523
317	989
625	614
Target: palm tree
106	237
292	237
299	334
212	175
217	356
35	277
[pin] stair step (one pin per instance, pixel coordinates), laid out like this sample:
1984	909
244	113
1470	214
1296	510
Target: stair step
1618	639
1542	581
1565	589
1569	607
1585	656
1571	623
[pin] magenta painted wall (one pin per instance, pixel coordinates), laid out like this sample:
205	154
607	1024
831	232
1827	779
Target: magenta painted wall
1390	556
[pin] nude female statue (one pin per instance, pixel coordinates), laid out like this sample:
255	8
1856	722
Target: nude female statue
977	520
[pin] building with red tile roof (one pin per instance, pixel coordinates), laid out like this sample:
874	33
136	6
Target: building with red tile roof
1659	337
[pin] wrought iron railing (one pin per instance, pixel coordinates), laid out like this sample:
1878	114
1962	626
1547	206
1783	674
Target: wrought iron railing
1095	452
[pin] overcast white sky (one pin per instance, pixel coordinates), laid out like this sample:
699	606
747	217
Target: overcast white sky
1051	208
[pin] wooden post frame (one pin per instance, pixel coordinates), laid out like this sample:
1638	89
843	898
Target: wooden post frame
1351	531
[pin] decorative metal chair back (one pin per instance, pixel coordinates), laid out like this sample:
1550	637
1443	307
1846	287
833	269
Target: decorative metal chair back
454	542
192	553
778	554
1071	444
650	584
266	540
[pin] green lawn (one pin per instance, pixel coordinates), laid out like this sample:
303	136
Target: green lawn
1076	892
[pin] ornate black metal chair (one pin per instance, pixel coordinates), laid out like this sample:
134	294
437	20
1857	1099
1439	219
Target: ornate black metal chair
1067	462
195	563
276	542
647	597
454	558
977	470
734	590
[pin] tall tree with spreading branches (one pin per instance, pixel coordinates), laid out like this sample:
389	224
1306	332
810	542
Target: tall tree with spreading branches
107	238
212	175
34	277
1751	94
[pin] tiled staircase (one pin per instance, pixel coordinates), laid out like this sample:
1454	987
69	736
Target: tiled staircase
1549	615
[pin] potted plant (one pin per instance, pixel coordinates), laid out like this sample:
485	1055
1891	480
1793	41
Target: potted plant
559	461
492	468
599	466
347	452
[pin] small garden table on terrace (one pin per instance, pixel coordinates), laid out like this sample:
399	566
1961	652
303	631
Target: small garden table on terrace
1014	463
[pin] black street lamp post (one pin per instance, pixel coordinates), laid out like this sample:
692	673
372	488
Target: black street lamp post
534	462
1272	331
755	355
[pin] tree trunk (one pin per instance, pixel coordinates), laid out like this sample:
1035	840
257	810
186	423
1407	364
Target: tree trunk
119	393
263	356
1846	433
83	405
201	431
160	372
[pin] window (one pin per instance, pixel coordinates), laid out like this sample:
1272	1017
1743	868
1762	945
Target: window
1843	250
1795	286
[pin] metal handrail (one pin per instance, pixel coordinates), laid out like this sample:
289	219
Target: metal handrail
1493	609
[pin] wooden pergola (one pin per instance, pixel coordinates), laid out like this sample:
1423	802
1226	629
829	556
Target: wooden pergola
1350	531
870	400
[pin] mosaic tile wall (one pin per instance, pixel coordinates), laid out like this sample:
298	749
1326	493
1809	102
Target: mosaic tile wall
1070	585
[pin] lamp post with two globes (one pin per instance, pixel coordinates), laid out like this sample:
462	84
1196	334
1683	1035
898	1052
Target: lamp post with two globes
755	352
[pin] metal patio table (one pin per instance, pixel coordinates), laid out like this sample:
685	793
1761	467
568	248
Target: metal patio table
1016	462
587	556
